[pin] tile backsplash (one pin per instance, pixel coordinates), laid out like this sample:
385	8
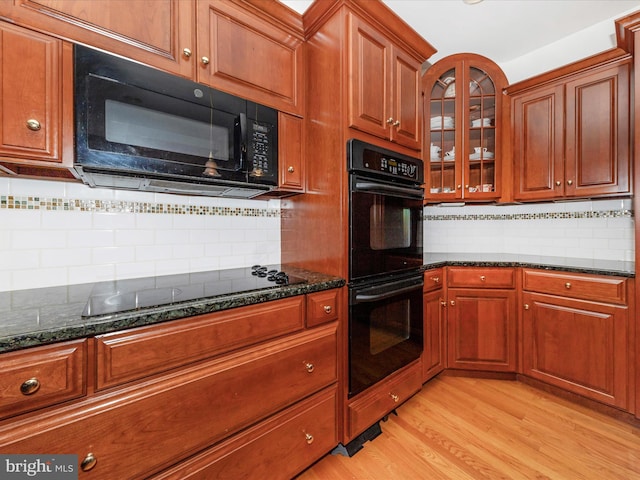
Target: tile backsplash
598	229
61	233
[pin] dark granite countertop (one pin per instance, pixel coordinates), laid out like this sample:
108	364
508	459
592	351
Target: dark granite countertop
47	315
575	265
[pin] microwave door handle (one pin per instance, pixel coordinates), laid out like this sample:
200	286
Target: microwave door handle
364	298
364	186
243	140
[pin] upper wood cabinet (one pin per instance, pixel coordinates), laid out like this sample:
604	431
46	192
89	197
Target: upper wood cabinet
249	48
384	92
36	101
465	126
252	49
157	32
571	136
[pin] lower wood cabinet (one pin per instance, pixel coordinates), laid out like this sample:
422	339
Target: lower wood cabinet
481	314
434	354
578	344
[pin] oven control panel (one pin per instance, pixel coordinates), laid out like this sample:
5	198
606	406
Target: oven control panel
369	158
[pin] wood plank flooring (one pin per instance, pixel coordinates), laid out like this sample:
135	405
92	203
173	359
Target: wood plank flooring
460	428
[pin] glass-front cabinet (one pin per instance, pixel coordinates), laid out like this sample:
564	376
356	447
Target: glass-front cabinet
463	103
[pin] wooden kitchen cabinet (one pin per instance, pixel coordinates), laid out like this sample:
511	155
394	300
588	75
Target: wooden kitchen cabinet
249	48
253	49
465	125
159	33
36	101
571	136
291	154
481	316
577	334
384	92
237	390
434	355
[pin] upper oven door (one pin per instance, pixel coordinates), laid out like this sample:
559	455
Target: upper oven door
385	228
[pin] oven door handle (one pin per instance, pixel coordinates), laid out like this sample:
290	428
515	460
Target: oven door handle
374	297
375	187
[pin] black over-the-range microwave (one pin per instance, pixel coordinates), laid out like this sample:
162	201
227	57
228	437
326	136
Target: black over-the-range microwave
139	128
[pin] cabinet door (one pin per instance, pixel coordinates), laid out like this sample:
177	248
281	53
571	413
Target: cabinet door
434	353
155	32
30	96
291	153
577	345
598	125
369	76
253	57
482	329
407	126
538	143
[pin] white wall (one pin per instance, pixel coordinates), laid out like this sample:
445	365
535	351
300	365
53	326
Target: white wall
60	233
598	229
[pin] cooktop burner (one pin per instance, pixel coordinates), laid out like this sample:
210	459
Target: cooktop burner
132	294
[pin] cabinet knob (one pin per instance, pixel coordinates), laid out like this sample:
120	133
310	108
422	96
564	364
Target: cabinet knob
310	367
186	52
309	438
443	303
453	303
390	121
435	279
459	187
89	462
29	387
327	309
567	285
33	124
526	306
483	278
394	397
205	60
291	169
558	183
396	123
569	182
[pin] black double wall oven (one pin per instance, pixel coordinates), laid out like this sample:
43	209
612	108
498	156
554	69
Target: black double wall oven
385	263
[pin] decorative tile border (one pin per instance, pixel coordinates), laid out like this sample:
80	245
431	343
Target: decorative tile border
535	216
11	202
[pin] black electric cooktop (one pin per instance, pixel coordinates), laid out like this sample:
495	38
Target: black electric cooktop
133	294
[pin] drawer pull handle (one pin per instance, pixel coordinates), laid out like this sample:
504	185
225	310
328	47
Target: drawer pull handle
394	397
310	367
526	306
567	285
435	279
327	309
33	124
309	438
89	462
29	387
482	278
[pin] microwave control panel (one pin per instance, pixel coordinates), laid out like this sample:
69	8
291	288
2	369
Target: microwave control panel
261	148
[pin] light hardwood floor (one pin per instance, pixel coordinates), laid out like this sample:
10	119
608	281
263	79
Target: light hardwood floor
460	428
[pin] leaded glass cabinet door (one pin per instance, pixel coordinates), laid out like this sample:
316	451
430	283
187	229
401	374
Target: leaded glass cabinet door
463	99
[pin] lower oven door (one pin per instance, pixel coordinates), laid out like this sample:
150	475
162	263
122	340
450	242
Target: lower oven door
385	330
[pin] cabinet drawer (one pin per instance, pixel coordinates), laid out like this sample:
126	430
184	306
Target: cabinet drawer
383	398
179	415
42	376
141	352
598	288
322	307
433	279
301	435
481	277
